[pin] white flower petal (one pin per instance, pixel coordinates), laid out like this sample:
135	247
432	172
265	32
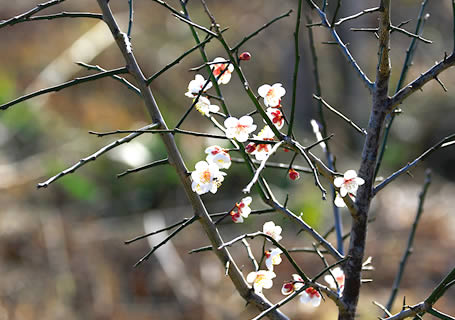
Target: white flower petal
338	182
350	174
262	90
251	277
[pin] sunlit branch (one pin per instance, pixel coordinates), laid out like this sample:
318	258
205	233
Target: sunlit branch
247	189
355	16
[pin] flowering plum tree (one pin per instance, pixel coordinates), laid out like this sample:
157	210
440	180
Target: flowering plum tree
355	191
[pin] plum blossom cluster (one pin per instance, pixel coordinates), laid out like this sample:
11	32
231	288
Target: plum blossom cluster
207	176
263	279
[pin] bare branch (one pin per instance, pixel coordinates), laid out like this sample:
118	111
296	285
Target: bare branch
24	16
144	167
396	174
64	85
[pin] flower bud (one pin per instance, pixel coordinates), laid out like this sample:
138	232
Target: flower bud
293	175
250	147
245	56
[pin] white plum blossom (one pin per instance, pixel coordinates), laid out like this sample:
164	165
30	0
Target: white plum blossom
242	210
223	69
239	128
261	151
290	287
261	279
349	183
272	230
207	177
273	258
312	296
218	156
276	116
205	107
339	202
339	277
272	94
196	85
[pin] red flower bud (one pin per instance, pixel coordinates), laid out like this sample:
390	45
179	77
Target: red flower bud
245	56
293	175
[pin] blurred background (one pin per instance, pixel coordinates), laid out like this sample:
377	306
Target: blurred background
61	249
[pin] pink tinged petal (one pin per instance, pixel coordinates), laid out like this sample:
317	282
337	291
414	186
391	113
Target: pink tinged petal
296	277
359	181
241	136
237	219
350	174
225	78
338	182
218	59
329	279
262	90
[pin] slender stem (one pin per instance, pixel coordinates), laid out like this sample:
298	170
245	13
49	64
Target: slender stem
277	165
144	167
176	61
64	14
275	243
255	33
250	254
64	85
342	46
342	116
130	18
169	237
247	189
205	59
332	24
195	25
409	249
125	82
355	16
296	67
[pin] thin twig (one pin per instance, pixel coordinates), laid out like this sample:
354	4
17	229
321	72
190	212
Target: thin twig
342	116
251	35
276	165
169	237
422	157
64	85
409	248
125	82
130	17
144	167
191	23
247	189
172	226
65	14
355	16
28	14
176	61
343	47
410	34
296	67
94	156
250	254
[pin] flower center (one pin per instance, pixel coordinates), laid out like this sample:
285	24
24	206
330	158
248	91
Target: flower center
206	176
